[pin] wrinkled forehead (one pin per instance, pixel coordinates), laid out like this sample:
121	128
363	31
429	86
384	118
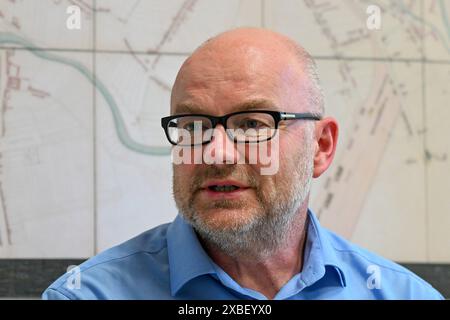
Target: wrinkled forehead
220	78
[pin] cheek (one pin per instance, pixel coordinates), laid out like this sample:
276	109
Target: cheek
291	156
182	174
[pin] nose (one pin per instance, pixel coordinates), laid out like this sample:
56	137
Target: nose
221	149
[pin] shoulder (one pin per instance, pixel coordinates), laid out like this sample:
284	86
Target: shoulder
116	270
383	278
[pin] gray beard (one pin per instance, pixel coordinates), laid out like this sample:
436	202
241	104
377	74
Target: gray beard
256	240
269	229
266	232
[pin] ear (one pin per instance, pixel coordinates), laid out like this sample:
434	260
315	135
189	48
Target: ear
326	135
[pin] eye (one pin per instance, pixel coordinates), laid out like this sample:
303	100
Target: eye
253	124
190	126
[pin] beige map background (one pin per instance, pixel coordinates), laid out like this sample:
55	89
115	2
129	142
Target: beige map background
83	160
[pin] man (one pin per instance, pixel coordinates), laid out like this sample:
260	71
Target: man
242	234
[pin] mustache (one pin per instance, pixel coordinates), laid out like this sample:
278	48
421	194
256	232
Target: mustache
231	171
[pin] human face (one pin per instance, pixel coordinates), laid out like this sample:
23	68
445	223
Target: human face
216	81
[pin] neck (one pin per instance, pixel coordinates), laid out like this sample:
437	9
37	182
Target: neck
274	270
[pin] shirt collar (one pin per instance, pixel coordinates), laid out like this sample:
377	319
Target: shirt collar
188	259
320	253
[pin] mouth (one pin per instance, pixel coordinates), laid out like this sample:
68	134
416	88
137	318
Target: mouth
224	188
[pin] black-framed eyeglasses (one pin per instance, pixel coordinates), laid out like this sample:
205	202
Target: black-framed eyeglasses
242	127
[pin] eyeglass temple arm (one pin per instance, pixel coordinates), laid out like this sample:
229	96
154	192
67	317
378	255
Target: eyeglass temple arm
308	116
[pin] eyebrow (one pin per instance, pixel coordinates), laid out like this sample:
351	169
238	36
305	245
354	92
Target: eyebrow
254	104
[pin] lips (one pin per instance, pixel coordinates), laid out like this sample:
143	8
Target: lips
224	185
223	188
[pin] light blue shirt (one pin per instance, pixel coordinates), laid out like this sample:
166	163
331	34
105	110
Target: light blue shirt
168	262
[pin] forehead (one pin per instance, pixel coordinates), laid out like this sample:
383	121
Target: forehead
245	105
222	82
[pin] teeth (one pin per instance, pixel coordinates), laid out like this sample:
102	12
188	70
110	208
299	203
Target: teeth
224	188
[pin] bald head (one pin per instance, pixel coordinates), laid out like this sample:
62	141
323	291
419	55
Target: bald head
236	74
237	53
